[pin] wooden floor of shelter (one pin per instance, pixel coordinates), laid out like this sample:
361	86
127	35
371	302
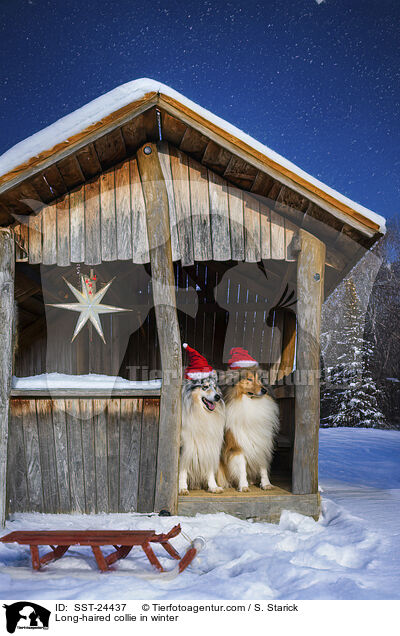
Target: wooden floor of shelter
279	488
256	504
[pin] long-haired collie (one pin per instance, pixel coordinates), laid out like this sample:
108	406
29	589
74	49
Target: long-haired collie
252	422
202	433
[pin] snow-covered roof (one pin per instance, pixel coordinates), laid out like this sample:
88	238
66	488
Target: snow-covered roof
144	89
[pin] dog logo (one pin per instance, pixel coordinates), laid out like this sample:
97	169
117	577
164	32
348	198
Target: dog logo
26	615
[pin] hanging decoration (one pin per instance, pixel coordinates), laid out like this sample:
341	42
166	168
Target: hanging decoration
89	304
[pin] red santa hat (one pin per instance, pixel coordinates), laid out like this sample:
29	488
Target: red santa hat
241	359
198	367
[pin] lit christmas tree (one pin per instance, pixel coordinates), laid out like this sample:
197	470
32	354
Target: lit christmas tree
349	391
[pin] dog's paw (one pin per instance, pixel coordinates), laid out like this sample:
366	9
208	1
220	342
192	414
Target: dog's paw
215	490
244	489
183	491
266	486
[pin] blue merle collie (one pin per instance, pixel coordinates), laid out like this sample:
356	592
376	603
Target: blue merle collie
203	419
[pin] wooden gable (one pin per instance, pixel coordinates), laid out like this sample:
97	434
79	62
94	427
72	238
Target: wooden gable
105	220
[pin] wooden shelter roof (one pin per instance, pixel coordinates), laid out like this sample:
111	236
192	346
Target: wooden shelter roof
111	128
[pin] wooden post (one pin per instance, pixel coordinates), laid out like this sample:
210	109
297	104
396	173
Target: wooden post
158	230
310	289
7	267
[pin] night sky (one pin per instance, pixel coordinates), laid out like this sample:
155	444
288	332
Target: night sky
316	81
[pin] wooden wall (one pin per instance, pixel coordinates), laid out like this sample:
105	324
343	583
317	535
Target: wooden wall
105	220
82	455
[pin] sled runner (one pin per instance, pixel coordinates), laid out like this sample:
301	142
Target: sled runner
122	540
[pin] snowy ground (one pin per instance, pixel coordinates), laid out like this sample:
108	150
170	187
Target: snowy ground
352	552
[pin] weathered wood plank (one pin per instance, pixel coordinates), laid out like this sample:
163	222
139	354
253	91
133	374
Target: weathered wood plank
173	129
290	240
276	346
240	172
180	175
252	228
7	277
77	221
110	148
32	456
47	455
123	212
49	227
277	236
108	220
88	161
61	450
88	452
194	143
100	432
130	435
63	233
166	170
42	187
235	199
75	456
219	211
19	252
216	158
149	448
92	223
262	184
158	224
140	242
134	134
24	238
70	171
149	123
16	482
113	416
55	181
265	221
310	285
35	238
200	206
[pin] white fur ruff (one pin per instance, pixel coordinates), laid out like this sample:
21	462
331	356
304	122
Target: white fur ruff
254	423
201	440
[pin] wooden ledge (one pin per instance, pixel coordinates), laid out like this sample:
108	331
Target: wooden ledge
232	493
257	504
83	393
279	391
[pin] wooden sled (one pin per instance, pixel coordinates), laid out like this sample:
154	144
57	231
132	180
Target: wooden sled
122	540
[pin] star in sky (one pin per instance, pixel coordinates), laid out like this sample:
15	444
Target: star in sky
89	306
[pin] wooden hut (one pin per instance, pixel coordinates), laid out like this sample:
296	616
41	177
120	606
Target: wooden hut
211	238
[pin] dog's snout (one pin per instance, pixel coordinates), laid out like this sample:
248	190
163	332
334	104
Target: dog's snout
217	397
263	390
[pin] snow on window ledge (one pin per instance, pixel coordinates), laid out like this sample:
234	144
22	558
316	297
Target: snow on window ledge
94	381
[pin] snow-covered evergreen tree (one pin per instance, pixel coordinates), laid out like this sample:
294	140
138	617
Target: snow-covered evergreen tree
349	391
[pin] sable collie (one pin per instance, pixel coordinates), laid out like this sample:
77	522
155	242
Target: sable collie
202	433
252	421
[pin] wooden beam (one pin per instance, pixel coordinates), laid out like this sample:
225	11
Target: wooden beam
158	229
7	275
310	286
